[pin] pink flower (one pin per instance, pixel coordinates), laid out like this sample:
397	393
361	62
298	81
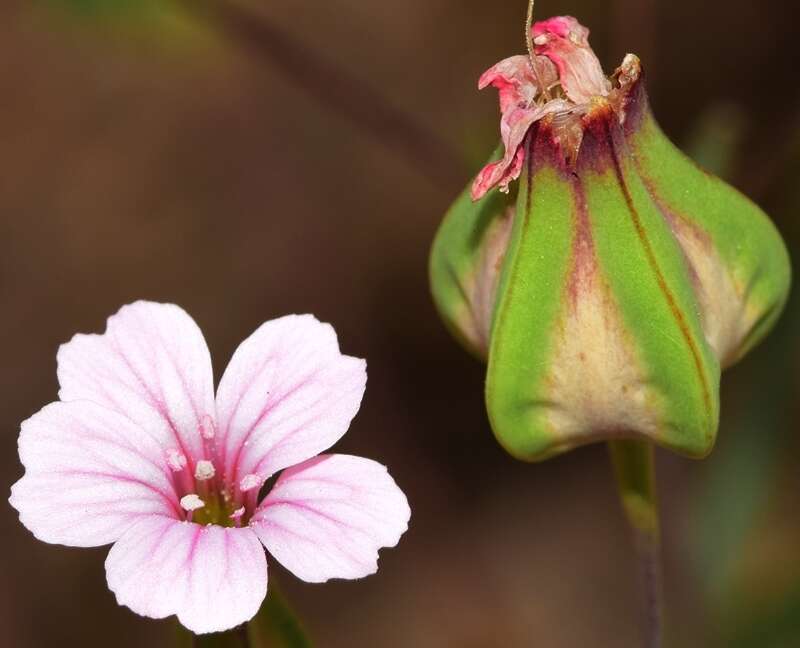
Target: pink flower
571	78
140	453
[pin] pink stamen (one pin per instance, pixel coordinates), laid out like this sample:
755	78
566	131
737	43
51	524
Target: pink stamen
249	482
236	516
191	503
204	470
176	460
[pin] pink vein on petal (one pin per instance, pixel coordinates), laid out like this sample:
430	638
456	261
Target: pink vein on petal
268	408
155	402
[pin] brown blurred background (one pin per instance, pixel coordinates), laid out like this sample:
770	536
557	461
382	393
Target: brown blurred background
144	154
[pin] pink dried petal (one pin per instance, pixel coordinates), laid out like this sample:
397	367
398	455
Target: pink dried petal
562	56
213	578
89	474
327	517
152	364
516	82
566	43
514	126
287	394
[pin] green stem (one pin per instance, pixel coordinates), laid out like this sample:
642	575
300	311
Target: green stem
276	624
634	467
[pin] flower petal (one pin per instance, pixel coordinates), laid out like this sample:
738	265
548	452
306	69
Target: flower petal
213	578
566	43
152	364
515	81
327	517
90	472
514	125
287	394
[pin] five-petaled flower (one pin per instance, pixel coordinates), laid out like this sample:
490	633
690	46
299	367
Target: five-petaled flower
140	453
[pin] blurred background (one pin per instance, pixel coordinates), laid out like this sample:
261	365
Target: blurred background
149	151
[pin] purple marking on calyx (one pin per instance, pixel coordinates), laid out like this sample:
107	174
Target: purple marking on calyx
584	264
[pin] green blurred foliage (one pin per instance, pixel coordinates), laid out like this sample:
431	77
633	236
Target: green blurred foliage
775	625
117	8
716	138
751	588
164	24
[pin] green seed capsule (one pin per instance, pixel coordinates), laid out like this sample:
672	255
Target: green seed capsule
609	292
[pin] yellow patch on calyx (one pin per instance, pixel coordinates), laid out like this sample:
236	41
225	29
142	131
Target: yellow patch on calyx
725	315
596	384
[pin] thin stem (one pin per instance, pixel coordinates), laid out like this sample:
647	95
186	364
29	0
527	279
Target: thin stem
634	467
531	52
336	89
529	34
244	636
650	558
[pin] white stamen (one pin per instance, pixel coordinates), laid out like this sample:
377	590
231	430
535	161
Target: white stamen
204	470
207	427
541	39
176	460
191	502
237	513
249	482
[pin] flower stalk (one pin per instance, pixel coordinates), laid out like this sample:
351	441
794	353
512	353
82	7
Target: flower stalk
634	468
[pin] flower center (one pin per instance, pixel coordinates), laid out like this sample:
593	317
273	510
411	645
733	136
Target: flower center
205	495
